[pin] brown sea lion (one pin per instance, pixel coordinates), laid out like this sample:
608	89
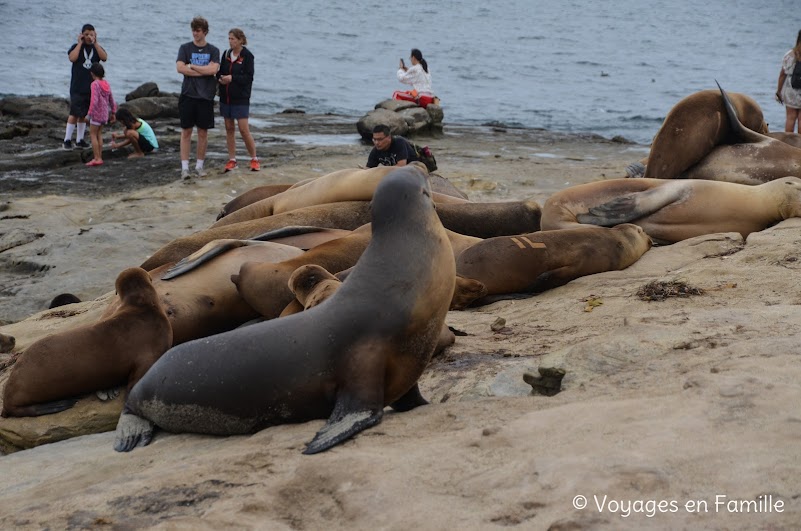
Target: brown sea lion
352	184
754	159
264	285
361	350
693	127
251	196
116	350
543	260
483	220
203	301
439	185
674	210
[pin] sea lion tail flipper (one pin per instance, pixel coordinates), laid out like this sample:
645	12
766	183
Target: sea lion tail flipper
632	206
108	394
738	130
343	424
45	408
132	431
201	256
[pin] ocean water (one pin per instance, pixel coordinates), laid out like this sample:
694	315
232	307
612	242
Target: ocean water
605	67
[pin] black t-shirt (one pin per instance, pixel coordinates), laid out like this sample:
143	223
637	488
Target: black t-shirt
81	82
399	149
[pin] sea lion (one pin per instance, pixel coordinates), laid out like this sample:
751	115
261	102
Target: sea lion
439	184
251	196
754	159
7	343
118	349
693	127
264	285
362	349
203	300
483	220
674	210
351	184
543	260
312	285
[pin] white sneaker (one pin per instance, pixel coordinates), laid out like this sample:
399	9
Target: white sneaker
185	175
201	172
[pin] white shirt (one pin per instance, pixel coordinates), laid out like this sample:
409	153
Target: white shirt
418	78
791	96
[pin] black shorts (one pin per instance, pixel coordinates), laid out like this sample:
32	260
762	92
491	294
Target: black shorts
79	104
195	112
144	145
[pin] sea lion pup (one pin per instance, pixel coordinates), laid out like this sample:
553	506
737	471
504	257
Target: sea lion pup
674	210
351	184
755	159
483	220
693	127
118	349
543	260
361	350
7	343
251	196
264	285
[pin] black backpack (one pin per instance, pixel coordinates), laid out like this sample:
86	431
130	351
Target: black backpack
795	77
425	156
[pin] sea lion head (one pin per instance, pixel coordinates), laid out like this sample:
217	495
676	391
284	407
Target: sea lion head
135	288
403	193
789	189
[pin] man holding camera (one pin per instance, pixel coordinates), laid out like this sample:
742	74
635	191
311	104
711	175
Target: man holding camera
82	55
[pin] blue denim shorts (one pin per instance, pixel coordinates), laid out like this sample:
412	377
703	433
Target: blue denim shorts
234	112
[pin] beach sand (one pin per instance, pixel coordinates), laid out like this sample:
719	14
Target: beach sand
678	413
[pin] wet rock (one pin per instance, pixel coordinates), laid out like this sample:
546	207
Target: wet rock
153	107
145	90
403	118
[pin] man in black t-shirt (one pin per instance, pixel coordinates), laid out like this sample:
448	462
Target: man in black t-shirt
389	150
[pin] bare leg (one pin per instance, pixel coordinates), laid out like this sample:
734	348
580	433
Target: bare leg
244	132
133	138
230	141
202	143
96	134
792	118
186	142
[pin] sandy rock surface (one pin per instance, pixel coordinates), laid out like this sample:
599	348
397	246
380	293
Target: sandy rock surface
686	400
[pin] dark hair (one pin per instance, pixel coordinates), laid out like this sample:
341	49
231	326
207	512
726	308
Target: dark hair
382	128
98	70
417	54
87	27
126	117
200	23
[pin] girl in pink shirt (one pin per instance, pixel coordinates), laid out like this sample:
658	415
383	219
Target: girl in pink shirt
101	111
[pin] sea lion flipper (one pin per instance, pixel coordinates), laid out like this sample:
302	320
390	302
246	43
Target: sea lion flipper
342	426
108	394
633	206
201	256
45	408
410	400
132	431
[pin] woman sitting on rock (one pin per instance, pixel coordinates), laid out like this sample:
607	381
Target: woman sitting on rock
419	78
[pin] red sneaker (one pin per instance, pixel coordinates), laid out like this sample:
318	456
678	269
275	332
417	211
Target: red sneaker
230	165
254	165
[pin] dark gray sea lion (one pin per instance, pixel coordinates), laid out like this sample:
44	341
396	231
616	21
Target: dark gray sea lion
674	210
63	299
346	359
7	343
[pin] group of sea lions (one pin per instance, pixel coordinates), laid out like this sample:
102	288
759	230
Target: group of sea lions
328	298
